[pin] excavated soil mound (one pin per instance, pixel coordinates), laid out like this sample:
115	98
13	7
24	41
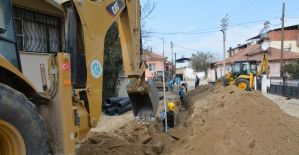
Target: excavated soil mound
231	121
135	138
132	139
224	121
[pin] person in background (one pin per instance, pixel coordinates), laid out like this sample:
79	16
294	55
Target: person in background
196	81
185	85
170	85
182	96
173	83
178	81
170	116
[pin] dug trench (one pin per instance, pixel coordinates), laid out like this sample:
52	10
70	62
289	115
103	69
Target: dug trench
218	121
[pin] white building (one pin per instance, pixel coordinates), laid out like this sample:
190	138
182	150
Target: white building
184	70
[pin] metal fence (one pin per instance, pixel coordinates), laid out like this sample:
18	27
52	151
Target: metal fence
37	32
259	83
284	87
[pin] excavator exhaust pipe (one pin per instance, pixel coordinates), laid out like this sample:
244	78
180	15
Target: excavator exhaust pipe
145	101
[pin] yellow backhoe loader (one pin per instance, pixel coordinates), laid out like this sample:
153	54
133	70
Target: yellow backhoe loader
244	72
51	71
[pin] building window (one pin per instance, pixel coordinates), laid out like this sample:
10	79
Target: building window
152	67
37	32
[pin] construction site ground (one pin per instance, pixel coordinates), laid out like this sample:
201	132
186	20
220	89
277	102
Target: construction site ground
219	120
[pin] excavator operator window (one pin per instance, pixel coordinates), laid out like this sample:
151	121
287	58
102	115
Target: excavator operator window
8	48
245	68
253	68
237	68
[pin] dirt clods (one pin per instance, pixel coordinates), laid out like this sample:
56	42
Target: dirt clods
146	139
158	147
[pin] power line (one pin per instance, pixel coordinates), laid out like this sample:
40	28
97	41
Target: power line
234	7
189	49
245	36
243	9
250	22
189	32
232	25
234	12
198	31
292	17
207	30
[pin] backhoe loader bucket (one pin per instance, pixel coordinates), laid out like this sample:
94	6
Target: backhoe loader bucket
145	101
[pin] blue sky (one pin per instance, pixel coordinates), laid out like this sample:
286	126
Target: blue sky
201	21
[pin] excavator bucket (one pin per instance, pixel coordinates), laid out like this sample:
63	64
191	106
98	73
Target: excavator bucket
145	101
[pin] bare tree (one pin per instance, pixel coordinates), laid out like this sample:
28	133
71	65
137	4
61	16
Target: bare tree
147	8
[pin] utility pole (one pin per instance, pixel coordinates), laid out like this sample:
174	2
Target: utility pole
163	53
171	45
175	64
224	29
163	44
164	92
282	39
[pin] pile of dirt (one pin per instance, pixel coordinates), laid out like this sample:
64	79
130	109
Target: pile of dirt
218	121
231	121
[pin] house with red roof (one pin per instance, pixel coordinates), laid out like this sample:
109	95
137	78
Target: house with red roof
255	52
291	40
155	62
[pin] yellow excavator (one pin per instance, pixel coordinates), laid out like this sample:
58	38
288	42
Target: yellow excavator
244	72
51	71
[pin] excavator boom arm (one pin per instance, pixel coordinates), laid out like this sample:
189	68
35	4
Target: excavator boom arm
96	18
264	67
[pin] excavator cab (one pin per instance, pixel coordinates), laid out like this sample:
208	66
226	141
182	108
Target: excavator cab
244	68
